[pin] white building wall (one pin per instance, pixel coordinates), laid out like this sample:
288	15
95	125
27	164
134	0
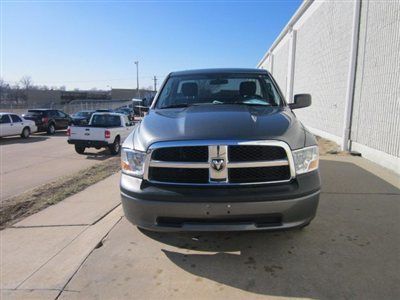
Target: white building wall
267	64
321	67
280	66
376	107
322	63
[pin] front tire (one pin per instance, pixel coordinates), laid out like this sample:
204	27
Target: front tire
26	132
115	147
80	149
51	129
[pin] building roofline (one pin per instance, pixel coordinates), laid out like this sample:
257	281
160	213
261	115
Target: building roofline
299	12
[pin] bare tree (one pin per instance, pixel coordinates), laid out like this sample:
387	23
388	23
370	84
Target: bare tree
26	82
3	83
4	90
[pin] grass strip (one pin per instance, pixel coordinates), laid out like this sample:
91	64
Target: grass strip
16	208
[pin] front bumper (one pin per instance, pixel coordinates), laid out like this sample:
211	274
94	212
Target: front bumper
88	144
162	208
33	128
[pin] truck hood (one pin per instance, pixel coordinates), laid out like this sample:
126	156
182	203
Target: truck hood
219	122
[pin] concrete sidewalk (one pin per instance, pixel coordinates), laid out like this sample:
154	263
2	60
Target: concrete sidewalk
40	254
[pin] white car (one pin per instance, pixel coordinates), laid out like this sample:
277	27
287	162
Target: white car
105	130
12	124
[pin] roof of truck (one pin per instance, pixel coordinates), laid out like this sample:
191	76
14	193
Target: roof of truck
108	113
41	109
220	71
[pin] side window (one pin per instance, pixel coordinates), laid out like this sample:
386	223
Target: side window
52	113
61	114
15	118
5	119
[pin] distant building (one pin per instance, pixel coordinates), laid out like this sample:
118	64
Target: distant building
46	98
68	96
128	94
37	98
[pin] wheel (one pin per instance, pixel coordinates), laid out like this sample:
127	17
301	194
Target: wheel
25	132
115	147
80	149
51	129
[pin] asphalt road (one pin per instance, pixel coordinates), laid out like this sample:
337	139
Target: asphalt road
350	251
26	164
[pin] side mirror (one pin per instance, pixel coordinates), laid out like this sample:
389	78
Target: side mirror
300	101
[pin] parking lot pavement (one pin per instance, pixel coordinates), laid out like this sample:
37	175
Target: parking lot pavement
26	164
350	251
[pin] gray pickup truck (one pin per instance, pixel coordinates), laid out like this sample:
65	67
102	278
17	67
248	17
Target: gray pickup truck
220	150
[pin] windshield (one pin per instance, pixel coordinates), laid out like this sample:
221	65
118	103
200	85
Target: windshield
181	91
34	113
82	114
106	121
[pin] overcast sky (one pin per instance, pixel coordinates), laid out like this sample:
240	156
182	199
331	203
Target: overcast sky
86	44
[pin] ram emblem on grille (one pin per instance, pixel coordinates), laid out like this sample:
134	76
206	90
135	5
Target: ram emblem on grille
218	164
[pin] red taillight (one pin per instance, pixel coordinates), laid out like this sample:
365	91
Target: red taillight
68	131
107	134
45	120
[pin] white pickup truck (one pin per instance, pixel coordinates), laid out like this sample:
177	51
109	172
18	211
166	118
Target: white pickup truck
105	130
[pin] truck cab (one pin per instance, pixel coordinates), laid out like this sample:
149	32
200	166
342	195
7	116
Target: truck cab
220	150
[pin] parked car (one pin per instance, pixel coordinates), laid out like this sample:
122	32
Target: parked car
48	120
12	124
81	117
220	150
105	130
140	110
104	110
126	111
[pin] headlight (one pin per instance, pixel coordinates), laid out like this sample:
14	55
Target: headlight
132	162
306	159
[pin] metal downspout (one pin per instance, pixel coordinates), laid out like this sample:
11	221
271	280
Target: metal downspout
351	77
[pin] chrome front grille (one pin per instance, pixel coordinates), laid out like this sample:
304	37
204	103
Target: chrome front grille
219	163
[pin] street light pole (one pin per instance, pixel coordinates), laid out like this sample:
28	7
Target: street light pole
137	79
155	83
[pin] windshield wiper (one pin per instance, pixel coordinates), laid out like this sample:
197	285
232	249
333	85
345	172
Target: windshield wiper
251	104
177	105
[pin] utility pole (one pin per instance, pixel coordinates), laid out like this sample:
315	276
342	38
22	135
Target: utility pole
155	83
137	79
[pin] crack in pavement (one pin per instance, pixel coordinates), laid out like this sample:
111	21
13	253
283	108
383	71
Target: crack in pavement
87	256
